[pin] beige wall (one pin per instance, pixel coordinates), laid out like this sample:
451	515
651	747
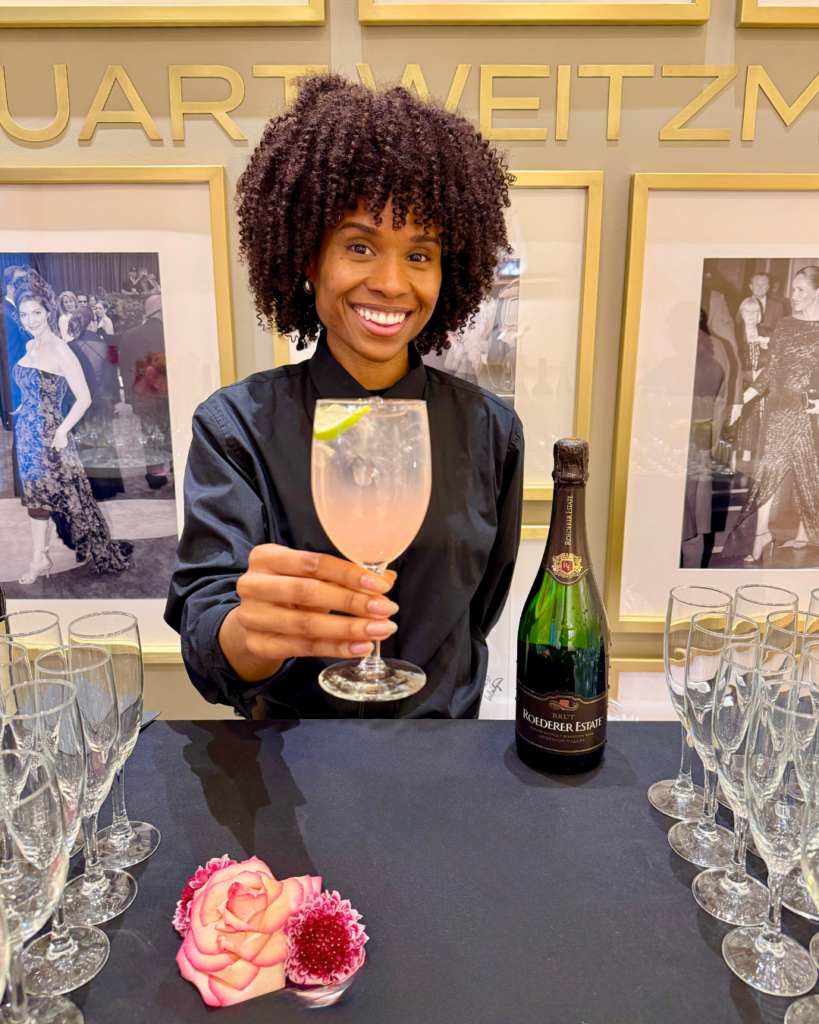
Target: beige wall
788	55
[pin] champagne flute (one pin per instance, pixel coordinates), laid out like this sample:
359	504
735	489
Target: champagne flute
680	798
762	956
758	600
371	473
728	893
703	842
99	894
32	809
124	843
15	668
36	630
44	715
806	1011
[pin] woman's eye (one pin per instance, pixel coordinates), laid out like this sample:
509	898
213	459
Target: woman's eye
419	257
360	249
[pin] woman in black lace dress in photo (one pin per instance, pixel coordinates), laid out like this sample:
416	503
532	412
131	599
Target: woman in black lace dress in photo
788	436
52	476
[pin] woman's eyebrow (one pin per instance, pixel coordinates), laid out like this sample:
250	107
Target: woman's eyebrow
358	227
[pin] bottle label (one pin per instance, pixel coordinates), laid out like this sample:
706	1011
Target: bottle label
561	722
567	567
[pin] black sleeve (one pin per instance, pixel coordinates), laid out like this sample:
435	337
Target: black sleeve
224	519
490	597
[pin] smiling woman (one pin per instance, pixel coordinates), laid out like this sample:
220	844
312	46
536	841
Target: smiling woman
373	221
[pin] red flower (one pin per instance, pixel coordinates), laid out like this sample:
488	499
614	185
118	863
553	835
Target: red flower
325	942
182	917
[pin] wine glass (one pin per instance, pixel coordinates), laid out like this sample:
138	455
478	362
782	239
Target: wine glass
36	630
45	715
806	1011
98	895
728	893
15	668
371	473
5	950
762	956
32	809
703	842
758	600
680	798
124	843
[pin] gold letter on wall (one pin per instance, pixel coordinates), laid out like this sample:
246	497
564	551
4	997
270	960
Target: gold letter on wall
759	79
56	127
218	109
291	73
138	114
615	74
674	131
489	102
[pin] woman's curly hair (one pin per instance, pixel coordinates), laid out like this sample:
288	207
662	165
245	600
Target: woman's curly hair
340	143
35	287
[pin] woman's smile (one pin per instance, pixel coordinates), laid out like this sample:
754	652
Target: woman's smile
381	321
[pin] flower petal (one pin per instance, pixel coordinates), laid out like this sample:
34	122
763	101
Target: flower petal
240	974
269	979
246	902
197	978
273	952
288	903
247	945
202	961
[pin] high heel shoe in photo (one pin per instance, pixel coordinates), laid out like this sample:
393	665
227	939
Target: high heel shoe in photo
41	563
767	548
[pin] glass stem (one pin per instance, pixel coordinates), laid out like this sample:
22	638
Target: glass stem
706	825
769	941
94	882
17	988
121	832
62	941
9	869
372	665
735	877
683	786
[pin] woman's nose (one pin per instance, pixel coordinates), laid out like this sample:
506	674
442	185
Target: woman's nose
389	277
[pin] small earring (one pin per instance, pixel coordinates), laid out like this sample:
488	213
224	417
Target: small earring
308	287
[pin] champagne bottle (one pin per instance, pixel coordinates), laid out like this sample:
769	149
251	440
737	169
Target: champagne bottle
563	637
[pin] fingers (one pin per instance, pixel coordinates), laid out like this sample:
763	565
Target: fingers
313	594
275	647
276	559
299	622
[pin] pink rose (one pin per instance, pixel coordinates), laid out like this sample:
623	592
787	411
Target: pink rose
236	948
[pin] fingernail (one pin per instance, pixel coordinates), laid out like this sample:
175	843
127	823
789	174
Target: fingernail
360	647
311	562
380	606
372	582
381	629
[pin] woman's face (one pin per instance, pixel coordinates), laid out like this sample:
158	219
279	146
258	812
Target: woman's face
375	287
750	312
33	317
69	305
99	310
803	294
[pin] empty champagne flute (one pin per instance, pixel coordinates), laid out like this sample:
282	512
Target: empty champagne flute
703	842
728	893
32	809
762	956
15	668
680	798
758	600
99	894
806	1011
36	630
124	843
45	715
371	473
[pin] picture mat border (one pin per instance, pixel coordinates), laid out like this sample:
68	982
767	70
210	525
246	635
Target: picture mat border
168	15
214	177
592	182
372	13
751	15
641	185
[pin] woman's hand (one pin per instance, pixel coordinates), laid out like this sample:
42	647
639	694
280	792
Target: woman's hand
60	438
286	600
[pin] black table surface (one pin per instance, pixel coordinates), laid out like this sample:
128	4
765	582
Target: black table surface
490	892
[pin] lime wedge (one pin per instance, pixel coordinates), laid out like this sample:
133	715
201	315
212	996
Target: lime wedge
332	420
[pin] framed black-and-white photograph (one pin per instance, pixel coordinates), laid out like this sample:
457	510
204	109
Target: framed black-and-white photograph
115	325
716	463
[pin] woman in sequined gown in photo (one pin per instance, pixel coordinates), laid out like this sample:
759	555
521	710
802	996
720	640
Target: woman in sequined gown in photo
789	430
52	476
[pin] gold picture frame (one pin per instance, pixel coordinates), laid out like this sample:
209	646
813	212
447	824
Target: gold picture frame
170	14
641	186
214	177
370	12
751	14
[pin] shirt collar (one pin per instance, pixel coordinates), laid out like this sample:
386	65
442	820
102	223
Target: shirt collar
333	381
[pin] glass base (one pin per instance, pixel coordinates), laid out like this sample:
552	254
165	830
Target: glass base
345	680
793	973
797	898
96	908
145	841
51	1010
813	948
803	1011
662	798
746	904
706	851
46	976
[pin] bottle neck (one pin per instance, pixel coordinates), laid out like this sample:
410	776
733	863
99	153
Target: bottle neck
567	556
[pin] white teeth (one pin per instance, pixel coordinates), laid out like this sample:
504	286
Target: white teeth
380	318
367	315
